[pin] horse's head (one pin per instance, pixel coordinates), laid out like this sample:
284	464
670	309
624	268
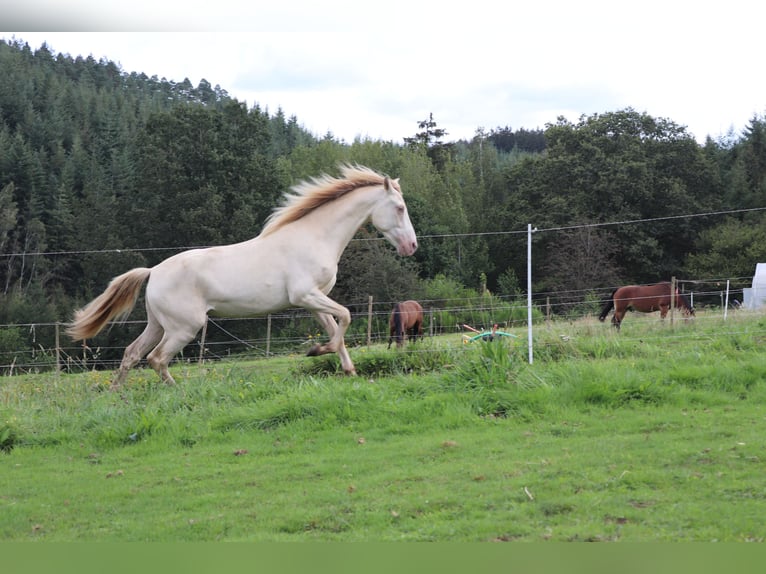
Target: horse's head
684	303
390	217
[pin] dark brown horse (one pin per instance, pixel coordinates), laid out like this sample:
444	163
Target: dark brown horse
646	299
406	320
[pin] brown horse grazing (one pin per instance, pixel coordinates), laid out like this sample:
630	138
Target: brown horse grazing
643	298
406	319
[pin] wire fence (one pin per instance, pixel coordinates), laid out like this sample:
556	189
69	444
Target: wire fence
41	346
44	347
36	347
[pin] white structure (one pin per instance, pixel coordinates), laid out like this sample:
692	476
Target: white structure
755	297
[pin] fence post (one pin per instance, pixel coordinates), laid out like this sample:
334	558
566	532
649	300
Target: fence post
268	335
431	321
58	351
673	287
369	320
548	309
529	290
726	304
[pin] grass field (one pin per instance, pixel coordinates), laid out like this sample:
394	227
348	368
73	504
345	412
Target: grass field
652	434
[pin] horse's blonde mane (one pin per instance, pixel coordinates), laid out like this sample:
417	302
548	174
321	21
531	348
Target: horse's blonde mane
308	195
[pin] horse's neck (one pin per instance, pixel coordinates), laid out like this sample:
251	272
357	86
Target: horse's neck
337	222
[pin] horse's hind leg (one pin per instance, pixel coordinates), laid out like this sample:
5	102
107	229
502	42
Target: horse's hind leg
163	353
136	350
617	319
176	336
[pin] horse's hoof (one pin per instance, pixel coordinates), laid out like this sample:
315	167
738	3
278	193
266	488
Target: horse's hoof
351	373
313	351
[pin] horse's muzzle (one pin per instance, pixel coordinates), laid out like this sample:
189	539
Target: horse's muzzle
407	248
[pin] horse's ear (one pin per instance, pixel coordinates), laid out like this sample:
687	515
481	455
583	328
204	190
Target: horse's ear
390	184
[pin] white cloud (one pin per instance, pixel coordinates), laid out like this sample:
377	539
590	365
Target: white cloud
378	71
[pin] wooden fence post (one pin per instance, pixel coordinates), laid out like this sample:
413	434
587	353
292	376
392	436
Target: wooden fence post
369	320
431	321
672	299
548	309
58	351
268	335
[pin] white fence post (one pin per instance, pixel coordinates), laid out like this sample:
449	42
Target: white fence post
529	289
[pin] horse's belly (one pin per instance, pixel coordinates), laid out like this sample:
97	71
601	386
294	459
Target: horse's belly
219	285
245	300
244	309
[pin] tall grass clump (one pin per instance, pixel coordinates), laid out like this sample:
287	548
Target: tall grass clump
419	357
491	376
587	384
8	434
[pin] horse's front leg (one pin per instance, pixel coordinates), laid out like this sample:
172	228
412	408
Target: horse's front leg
334	345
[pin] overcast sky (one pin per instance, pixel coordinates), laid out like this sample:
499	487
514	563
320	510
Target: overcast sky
375	69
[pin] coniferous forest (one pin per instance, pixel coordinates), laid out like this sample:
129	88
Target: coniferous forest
103	169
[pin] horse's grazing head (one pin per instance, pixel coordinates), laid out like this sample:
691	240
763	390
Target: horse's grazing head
683	302
390	217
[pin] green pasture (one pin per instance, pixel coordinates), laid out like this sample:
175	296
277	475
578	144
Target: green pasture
652	434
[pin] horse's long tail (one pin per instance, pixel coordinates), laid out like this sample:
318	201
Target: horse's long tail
398	326
608	307
118	299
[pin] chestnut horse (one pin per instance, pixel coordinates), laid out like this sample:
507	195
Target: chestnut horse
406	319
644	298
292	263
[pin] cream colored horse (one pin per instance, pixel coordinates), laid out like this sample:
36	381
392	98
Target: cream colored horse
292	263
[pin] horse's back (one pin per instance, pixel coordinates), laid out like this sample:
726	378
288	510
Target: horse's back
414	310
412	306
626	292
638	291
